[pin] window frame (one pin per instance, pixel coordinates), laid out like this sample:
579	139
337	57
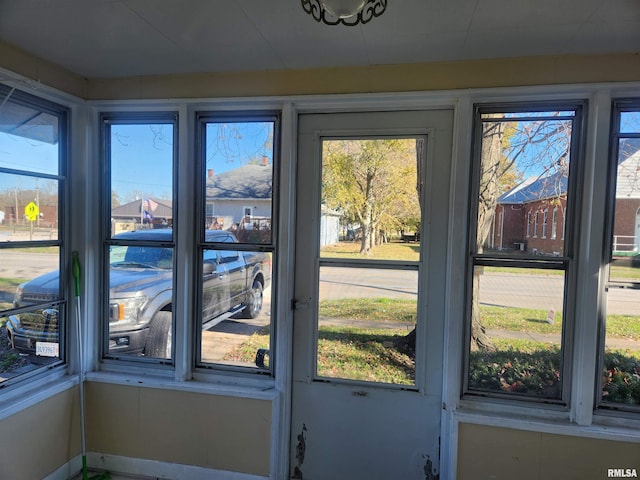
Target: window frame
618	106
567	262
202	118
133	117
63	304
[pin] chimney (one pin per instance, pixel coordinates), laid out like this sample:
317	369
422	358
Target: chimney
265	161
210	173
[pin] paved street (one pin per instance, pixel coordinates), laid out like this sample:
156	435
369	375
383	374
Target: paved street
503	289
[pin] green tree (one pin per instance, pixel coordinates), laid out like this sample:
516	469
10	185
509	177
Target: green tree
373	181
509	150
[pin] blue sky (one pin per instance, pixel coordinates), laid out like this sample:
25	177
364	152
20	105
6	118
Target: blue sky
142	155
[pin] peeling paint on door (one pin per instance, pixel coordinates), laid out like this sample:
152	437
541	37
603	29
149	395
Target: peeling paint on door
430	472
301	449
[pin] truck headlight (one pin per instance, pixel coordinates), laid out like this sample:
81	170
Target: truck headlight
126	309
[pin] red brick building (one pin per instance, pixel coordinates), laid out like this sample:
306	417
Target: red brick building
530	217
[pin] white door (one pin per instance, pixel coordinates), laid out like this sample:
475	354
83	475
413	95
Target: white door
368	327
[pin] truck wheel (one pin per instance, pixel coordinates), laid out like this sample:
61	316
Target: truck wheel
253	304
159	341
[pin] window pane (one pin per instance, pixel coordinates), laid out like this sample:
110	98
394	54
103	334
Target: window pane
141	176
621	376
29	139
239	179
32	304
29	208
370	199
366	324
29	276
519	350
630	122
140	299
236	307
524	170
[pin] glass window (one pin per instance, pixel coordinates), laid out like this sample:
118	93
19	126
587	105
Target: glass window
238	170
33	153
139	243
621	355
516	305
369	249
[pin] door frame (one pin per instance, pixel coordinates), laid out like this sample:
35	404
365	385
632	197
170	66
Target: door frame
439	222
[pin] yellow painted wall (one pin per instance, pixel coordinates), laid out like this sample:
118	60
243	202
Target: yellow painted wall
210	431
377	79
506	72
493	453
40	439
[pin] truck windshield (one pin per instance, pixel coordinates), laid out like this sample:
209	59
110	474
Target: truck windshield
141	257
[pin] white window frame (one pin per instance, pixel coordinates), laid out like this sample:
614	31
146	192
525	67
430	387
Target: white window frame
618	105
565	263
202	369
107	120
67	339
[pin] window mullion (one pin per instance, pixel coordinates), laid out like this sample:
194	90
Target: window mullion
584	280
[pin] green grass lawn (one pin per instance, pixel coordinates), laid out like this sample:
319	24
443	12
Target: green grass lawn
373	309
394	250
516	366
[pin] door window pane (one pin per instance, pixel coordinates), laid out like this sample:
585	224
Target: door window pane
371	199
370	215
366	324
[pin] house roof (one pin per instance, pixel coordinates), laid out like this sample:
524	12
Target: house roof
247	182
628	182
536	188
134	209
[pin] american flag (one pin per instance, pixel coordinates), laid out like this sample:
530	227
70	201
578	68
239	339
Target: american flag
148	203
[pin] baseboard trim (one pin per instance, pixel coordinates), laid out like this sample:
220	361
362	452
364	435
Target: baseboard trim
146	469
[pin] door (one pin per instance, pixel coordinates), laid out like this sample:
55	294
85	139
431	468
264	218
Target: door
371	247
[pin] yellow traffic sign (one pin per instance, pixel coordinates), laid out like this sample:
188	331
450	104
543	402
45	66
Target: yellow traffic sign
31	211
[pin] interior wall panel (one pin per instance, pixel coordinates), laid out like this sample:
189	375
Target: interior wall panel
486	452
211	431
40	439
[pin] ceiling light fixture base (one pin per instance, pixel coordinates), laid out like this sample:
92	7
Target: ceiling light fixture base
345	12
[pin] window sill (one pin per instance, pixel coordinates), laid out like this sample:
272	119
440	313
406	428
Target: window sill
550	419
35	390
233	386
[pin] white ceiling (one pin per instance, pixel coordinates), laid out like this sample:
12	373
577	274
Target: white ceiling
121	38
